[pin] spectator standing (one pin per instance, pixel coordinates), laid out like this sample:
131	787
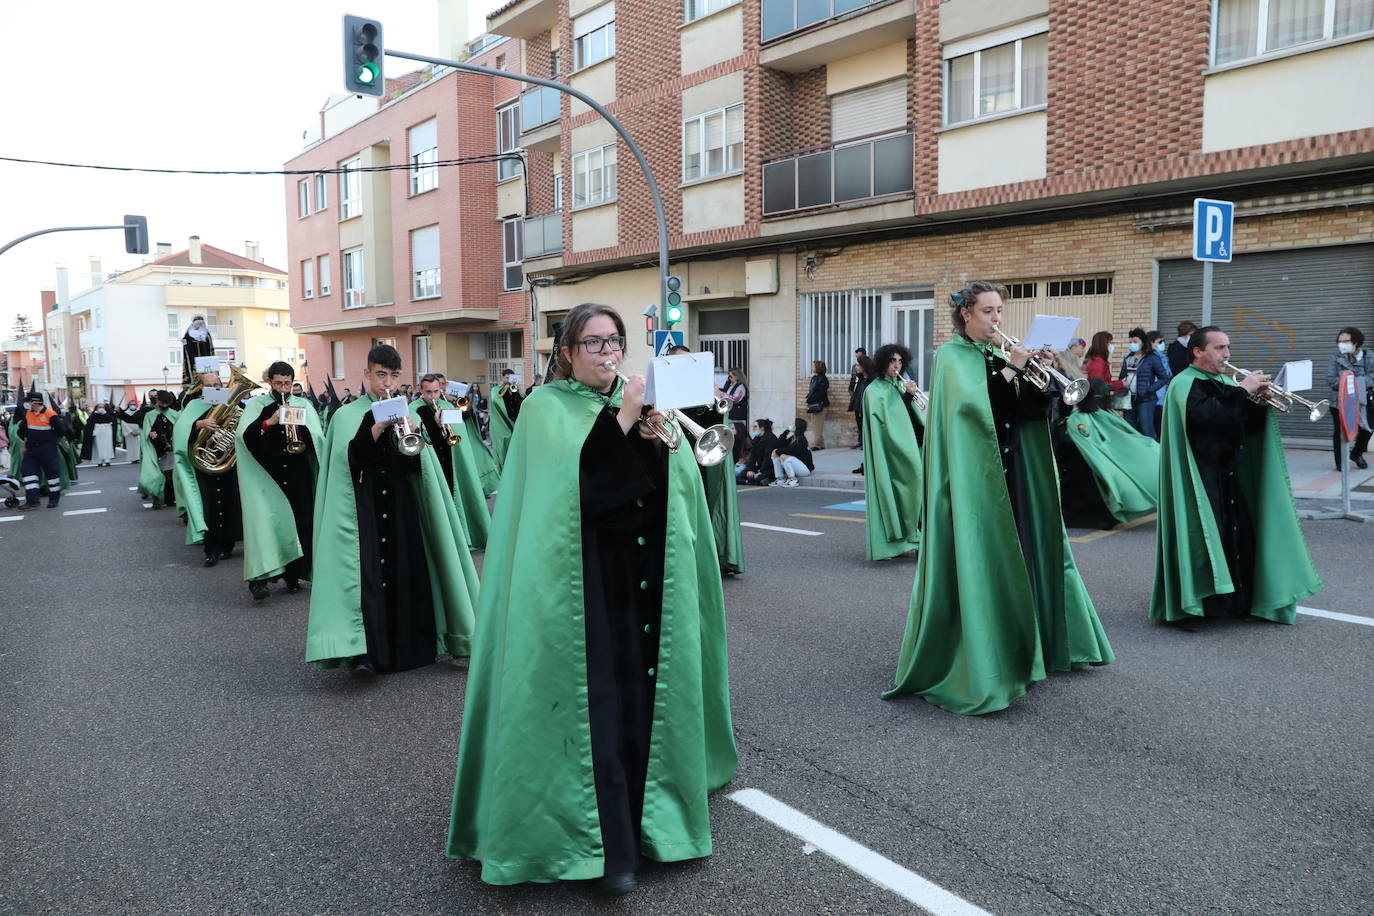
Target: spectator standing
737	390
1151	377
817	400
1071	360
1135	353
858	378
1351	356
1097	365
1177	353
791	458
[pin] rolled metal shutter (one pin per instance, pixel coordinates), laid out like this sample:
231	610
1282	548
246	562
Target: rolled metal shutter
1278	306
870	110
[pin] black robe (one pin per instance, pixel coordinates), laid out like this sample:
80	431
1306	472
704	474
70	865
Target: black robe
219	503
438	438
88	433
1080	499
397	602
624	492
1219	418
1014	403
292	473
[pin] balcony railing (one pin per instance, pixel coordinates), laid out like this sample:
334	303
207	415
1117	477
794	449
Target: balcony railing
783	17
543	234
851	170
538	106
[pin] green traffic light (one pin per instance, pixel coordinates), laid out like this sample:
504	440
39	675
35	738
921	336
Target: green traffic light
367	74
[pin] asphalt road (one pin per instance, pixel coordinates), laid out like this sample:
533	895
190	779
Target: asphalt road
164	748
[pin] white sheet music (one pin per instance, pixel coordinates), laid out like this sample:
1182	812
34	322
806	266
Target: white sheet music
457	389
1295	376
451	416
1050	332
684	380
215	395
389	409
207	364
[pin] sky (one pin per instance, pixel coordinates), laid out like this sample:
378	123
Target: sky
166	85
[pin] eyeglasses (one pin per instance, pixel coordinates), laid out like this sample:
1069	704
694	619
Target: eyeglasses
599	344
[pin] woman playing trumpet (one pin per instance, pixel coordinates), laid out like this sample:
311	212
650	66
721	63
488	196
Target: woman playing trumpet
597	716
997	600
893	428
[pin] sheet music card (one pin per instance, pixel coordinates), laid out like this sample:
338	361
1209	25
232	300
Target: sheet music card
292	416
457	389
1295	376
1050	332
207	364
389	409
215	395
683	380
451	416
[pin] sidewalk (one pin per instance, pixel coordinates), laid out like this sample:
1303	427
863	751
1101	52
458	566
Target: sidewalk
1315	482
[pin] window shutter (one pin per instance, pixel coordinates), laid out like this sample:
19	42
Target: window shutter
423	136
870	110
424	248
602	15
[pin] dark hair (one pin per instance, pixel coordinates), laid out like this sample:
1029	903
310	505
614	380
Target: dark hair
1186	327
867	368
384	355
861	351
885	354
766	423
818	367
1138	334
1355	336
573	323
799	427
1152	336
1099	345
966	297
280	367
430	377
678	348
166	398
1199	339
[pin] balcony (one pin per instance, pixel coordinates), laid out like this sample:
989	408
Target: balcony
543	234
539	113
799	35
849	172
524	18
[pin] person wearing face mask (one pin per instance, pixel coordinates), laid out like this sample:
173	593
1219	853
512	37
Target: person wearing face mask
1177	353
597	715
758	467
997	601
155	477
401	586
1097	365
210	502
893	430
100	436
1135	352
1351	356
722	495
131	422
1228	539
459	472
1148	377
41	428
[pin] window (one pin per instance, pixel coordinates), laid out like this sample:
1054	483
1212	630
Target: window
593	176
507	140
273	355
713	143
100	356
698	8
350	188
274	319
1020	290
424	153
173	357
353	278
994	80
336	358
324	274
424	262
834	323
558	191
867	111
1092	286
96	314
594	36
85	357
321	193
383	341
1252	28
303	194
510	253
251	282
422	343
307	279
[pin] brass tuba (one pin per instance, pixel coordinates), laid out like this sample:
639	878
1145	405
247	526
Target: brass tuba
212	450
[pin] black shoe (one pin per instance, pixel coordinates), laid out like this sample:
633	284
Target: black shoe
27	506
618	884
52	505
293	585
226	553
259	590
211	559
858	470
366	669
1359	461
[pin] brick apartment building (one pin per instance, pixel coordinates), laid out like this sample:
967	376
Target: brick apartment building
832	170
411	257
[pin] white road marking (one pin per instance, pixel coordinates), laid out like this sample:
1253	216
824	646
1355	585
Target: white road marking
133	488
84	511
85	493
784	530
881	871
1337	615
12	518
147	505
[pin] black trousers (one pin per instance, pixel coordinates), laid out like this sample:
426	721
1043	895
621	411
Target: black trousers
1357	448
41	458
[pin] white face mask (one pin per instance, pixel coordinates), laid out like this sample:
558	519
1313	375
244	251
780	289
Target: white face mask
1111	348
100	410
1182	341
1346	346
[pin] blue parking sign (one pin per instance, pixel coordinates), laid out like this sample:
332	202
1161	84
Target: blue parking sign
1212	223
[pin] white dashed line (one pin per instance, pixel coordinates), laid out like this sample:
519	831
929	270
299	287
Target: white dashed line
1337	615
13	518
84	511
783	530
85	493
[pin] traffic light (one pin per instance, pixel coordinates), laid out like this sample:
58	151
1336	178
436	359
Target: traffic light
672	301
363	52
135	234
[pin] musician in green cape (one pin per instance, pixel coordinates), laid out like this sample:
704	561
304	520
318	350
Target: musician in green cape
210	501
597	717
156	462
459	474
402	585
1229	542
276	465
503	409
997	602
1108	471
892	457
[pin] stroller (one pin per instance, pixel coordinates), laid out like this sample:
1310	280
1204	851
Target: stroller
11	490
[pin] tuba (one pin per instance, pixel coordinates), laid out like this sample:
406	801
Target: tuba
212	451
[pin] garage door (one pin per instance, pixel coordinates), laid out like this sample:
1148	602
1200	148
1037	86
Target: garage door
1278	306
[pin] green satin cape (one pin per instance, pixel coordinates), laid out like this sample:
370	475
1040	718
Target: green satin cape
524	800
479	454
150	479
270	540
64	457
722	499
184	471
1124	462
335	631
984	624
892	471
468	497
501	427
1190	563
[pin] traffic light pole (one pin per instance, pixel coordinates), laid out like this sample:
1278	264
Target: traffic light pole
596	106
25	238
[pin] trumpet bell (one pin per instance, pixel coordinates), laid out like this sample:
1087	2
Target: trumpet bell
1076	391
409	444
1319	410
714	445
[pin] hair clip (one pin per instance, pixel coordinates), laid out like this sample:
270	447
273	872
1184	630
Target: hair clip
957	298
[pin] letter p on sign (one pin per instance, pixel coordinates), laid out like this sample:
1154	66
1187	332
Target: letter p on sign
1212	224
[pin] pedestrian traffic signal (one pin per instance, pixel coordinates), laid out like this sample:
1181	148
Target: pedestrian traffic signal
363	53
135	234
672	301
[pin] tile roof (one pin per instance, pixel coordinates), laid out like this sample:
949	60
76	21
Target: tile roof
210	256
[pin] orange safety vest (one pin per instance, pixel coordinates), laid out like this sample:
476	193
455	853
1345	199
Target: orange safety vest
39	421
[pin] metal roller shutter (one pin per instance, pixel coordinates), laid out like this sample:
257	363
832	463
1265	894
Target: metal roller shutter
868	111
1278	306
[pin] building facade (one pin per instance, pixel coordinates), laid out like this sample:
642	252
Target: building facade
831	171
24	364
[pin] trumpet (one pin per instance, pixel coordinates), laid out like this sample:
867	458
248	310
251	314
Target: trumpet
1040	375
713	444
1278	398
464	403
408	441
294	445
920	397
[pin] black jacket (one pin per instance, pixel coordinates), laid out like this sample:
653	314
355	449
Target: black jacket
1179	357
794	444
818	395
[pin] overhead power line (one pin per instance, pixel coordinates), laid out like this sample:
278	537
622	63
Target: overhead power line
466	160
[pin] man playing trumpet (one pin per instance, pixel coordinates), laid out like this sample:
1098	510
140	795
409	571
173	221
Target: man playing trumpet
1229	540
459	473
